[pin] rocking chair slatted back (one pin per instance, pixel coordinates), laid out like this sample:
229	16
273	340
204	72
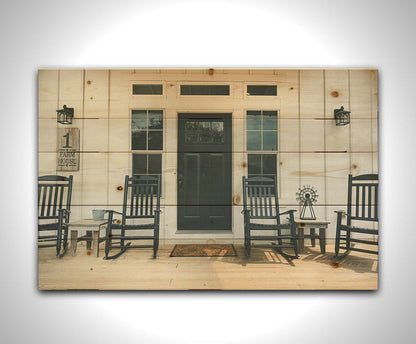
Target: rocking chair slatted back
261	202
142	194
54	203
260	197
54	193
141	201
362	198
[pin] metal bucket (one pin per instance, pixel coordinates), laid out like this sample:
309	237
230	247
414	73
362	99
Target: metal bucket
98	214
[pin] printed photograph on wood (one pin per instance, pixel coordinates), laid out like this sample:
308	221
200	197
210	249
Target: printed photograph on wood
208	179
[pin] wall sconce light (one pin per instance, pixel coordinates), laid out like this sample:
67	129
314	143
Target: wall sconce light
341	116
65	115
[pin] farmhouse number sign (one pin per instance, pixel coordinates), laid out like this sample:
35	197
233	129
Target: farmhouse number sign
68	149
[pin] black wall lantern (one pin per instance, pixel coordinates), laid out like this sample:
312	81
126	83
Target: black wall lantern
65	115
342	117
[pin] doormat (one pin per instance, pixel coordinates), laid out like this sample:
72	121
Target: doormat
205	250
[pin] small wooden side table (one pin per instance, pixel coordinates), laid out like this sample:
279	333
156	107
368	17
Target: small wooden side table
301	225
92	228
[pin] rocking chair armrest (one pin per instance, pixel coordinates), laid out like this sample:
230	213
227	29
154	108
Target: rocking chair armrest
113	211
158	211
64	213
288	212
246	211
342	212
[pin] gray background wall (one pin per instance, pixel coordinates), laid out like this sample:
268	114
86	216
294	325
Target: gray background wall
282	33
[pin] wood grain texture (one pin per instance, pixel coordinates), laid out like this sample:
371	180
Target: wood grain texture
265	270
312	150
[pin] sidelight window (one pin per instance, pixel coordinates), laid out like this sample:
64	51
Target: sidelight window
262	165
147	165
147	130
262	130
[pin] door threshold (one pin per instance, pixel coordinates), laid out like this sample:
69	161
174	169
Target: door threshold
200	231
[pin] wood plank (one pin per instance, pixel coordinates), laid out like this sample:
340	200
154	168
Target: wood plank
361	135
95	135
119	135
46	138
71	85
46	163
312	135
361	163
265	270
288	91
311	94
48	85
336	95
94	178
96	84
308	99
119	166
337	170
288	135
313	173
361	93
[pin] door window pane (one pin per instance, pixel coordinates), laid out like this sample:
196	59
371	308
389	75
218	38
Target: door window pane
217	132
204	132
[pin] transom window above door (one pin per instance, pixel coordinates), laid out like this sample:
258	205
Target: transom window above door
147	129
205	90
261	130
262	90
147	89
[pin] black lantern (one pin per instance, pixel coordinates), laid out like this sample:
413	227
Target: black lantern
341	116
65	115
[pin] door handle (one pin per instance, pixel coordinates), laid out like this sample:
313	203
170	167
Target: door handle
180	181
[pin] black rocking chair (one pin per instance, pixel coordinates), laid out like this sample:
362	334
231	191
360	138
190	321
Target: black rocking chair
261	203
54	203
361	206
141	202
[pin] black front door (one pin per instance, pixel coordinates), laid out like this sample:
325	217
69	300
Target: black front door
204	171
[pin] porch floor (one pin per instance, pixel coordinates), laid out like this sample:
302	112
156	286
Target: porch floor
265	270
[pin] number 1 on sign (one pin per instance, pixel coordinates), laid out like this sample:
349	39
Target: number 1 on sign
67	141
